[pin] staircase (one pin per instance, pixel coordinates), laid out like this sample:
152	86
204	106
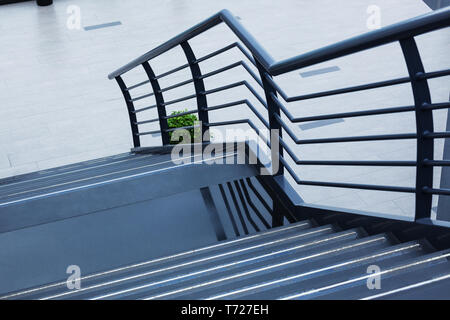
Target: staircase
299	261
142	226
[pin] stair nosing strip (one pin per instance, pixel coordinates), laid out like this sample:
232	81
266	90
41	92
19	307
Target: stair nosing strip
411	286
404	266
383	253
181	254
184	264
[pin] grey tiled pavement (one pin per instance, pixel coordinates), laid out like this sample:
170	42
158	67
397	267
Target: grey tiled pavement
57	106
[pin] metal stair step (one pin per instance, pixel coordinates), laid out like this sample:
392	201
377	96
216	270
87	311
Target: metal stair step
321	275
75	170
235	265
183	270
82	176
263	277
224	249
389	284
399	265
432	289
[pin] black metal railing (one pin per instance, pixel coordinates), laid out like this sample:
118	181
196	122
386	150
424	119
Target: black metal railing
404	33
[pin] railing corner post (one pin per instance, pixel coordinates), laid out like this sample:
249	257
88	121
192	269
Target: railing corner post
424	124
131	112
202	103
274	126
159	103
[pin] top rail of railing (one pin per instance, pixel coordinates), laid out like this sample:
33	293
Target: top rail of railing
415	26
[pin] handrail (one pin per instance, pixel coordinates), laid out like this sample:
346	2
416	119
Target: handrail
223	16
414	26
403	32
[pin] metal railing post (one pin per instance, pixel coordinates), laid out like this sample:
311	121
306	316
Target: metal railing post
199	85
274	125
424	125
159	103
131	114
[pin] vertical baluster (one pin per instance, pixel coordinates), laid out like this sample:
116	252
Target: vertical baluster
275	127
159	102
131	114
199	85
424	124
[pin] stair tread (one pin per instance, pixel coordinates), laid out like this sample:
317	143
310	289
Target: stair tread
261	259
392	283
82	176
298	277
397	266
258	241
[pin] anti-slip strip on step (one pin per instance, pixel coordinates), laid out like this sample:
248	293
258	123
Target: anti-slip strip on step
121	178
262	235
196	262
97	176
417	262
63	174
237	294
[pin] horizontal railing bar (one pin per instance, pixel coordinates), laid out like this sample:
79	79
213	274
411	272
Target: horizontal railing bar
437	163
252	125
344	185
436	135
225	123
208	56
179	84
228	67
184	128
222	88
138	85
373	85
191	96
252	74
234	65
433	74
258	114
218	89
212	73
246	54
162	75
255	94
345	162
415	26
342	114
361	138
358	163
145	108
445	192
147	121
248	103
355	114
142	97
148	132
435	106
224	105
180	114
217	52
343	139
237	84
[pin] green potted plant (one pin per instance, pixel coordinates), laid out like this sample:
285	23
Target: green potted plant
185	120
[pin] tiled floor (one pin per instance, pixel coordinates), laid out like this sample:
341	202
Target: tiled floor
57	106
